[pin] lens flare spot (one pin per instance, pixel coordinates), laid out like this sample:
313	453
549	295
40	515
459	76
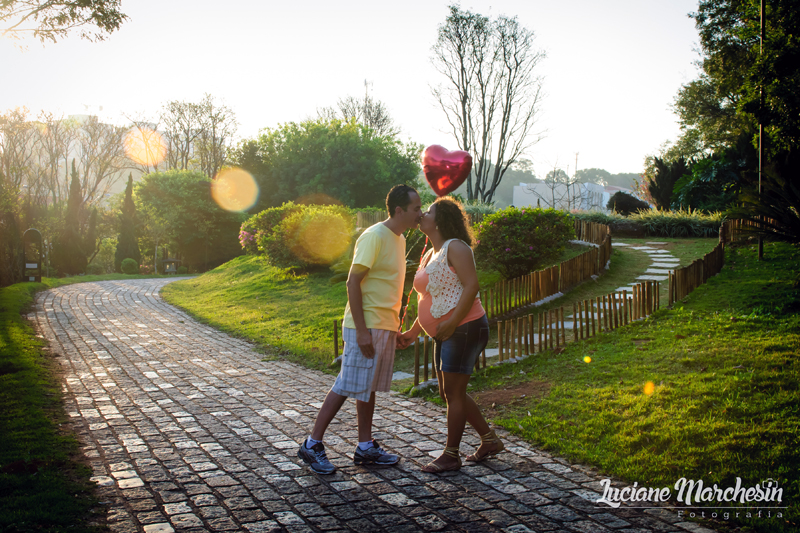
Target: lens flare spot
320	237
145	146
587	359
649	388
234	189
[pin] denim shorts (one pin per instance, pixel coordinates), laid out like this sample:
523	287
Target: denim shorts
459	353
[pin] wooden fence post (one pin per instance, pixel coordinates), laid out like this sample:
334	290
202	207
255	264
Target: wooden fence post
425	358
335	339
416	361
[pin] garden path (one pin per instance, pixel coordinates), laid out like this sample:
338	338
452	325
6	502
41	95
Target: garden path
188	429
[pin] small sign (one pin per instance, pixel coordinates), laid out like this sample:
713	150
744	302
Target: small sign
31	265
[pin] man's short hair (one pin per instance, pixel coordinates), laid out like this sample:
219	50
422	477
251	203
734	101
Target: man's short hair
399	196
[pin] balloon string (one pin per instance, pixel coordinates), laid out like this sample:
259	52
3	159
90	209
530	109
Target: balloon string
408	296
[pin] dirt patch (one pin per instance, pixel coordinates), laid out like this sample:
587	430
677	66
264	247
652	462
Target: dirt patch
492	399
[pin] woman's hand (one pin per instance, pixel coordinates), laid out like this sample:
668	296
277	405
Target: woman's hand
405	339
446	329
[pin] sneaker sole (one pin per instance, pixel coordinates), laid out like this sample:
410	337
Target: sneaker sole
370	462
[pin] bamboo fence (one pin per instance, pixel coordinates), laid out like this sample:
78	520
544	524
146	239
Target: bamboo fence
684	280
509	296
552	329
737	230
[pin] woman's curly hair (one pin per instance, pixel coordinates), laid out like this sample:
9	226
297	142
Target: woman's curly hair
452	220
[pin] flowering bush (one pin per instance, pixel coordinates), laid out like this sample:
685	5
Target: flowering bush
299	236
263	224
517	241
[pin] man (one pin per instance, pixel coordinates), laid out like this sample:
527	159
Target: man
371	321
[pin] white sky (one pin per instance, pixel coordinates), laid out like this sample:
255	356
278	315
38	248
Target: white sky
611	73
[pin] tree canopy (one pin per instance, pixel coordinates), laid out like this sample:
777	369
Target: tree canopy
345	161
197	228
50	20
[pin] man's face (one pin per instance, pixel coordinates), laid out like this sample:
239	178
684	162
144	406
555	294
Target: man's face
411	215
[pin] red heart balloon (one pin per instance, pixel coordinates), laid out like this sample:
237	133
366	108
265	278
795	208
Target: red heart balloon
445	170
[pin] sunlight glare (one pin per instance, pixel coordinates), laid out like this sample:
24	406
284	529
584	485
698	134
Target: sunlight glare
145	146
323	238
234	189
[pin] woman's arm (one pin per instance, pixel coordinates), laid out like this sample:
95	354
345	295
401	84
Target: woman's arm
407	337
459	255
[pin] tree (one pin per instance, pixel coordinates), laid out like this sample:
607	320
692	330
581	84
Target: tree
367	111
50	20
11	252
346	161
198	135
127	245
69	254
661	182
201	233
102	157
491	94
734	64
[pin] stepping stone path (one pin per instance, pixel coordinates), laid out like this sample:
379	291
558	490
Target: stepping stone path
187	429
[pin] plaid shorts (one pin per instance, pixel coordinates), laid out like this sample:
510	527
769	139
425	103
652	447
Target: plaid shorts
359	376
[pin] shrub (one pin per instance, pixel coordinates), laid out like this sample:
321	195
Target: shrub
682	223
262	224
311	236
626	204
183	270
598	217
130	266
517	241
94	269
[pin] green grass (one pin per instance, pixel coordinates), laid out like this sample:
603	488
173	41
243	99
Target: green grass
288	316
725	367
43	483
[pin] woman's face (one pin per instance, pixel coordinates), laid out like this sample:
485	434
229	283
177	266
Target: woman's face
428	222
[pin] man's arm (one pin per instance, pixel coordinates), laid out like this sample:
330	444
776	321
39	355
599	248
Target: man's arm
354	298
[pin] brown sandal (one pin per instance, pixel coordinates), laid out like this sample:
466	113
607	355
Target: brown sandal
434	468
490	437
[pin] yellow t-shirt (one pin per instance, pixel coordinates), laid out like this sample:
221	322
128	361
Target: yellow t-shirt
384	253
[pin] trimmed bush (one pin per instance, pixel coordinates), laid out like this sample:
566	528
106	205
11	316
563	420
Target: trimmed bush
626	204
94	269
130	266
517	241
183	270
263	224
598	217
682	223
311	236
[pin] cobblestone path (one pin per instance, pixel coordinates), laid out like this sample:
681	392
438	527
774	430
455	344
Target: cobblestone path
187	429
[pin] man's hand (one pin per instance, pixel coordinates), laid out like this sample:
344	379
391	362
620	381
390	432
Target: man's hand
405	339
364	340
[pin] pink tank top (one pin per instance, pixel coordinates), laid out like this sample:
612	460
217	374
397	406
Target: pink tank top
424	301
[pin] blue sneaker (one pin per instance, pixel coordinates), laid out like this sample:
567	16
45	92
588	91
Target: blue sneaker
316	458
374	455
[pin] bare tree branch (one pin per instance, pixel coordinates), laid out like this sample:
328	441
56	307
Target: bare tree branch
491	95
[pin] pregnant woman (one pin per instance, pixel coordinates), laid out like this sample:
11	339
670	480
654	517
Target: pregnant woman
451	312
